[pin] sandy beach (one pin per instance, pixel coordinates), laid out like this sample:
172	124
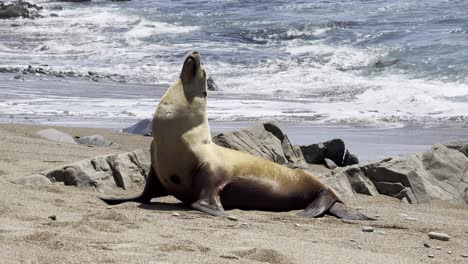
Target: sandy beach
85	230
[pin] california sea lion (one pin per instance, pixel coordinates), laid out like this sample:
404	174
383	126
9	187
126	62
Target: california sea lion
208	177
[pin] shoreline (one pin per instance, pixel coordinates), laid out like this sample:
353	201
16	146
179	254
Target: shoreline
367	143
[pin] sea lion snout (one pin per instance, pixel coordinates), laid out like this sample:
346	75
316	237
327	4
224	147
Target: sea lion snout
192	67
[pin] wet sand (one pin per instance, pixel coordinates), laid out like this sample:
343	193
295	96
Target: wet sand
87	231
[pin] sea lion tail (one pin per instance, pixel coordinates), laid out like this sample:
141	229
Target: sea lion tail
141	198
153	189
342	211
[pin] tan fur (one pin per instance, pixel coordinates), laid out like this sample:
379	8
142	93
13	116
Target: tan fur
183	142
180	125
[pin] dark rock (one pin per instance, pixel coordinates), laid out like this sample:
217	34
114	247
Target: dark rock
143	127
211	85
56	7
350	159
94	140
314	154
334	150
18	9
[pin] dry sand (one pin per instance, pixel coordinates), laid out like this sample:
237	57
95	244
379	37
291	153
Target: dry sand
87	231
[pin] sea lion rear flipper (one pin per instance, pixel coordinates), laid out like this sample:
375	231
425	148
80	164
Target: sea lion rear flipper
320	205
153	188
342	211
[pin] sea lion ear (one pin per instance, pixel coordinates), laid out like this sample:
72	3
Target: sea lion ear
190	66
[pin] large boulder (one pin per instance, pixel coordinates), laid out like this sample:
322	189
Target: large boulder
438	174
447	174
266	141
123	170
399	177
460	145
56	135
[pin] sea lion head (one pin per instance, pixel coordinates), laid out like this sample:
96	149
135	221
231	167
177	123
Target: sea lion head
193	76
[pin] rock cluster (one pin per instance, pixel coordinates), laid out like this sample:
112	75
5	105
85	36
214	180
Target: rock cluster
59	136
18	9
440	173
123	170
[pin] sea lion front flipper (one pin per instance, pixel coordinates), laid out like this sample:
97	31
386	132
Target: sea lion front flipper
208	189
320	205
153	188
212	208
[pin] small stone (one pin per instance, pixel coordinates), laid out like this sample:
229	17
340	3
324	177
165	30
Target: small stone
411	219
431	256
358	208
403	215
175	214
53	217
297	225
377	216
427	245
232	218
352	240
438	248
245	224
367	229
108	207
464	255
228	257
359	247
449	252
438	236
382	232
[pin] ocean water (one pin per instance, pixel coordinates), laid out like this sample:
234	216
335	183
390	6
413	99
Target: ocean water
352	62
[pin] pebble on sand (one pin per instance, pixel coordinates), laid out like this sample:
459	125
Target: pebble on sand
232	218
464	255
431	255
53	217
411	219
175	214
438	236
427	245
367	229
